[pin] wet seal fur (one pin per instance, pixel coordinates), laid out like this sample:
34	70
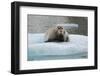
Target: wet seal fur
56	34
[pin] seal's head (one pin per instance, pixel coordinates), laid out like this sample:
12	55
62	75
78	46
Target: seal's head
60	33
60	30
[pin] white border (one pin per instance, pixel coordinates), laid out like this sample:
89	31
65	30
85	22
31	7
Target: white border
26	65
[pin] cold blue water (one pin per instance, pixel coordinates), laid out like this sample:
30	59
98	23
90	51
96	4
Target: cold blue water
56	57
76	48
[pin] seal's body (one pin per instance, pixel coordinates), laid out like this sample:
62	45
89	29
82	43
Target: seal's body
57	34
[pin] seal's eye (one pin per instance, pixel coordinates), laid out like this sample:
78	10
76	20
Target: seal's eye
59	27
